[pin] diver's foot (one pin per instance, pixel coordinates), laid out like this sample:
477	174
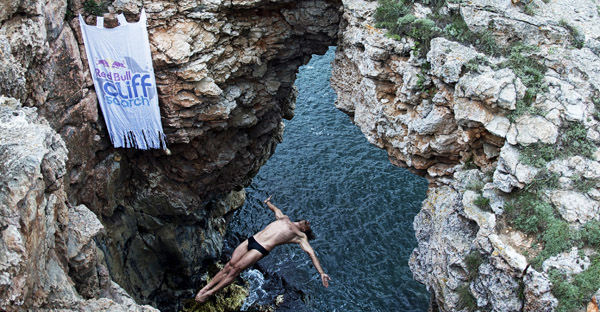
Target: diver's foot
201	297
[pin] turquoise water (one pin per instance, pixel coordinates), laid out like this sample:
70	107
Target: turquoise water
359	205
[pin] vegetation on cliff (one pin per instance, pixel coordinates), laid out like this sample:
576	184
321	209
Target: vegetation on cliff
396	16
530	209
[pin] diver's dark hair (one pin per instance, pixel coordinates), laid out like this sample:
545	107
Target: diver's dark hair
309	233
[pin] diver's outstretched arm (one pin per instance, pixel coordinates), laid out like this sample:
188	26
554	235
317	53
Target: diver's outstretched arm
278	213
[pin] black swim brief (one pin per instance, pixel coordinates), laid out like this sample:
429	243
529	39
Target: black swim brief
253	244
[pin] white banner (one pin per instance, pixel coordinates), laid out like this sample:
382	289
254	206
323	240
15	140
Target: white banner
121	67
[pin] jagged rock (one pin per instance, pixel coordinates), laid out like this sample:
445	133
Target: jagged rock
510	172
43	242
575	207
439	224
537	292
494	87
225	81
496	287
499	126
384	96
568	263
532	129
81	250
447	59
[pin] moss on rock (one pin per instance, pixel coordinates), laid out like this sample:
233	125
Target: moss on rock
229	299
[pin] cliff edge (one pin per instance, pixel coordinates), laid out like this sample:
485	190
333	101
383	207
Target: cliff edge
497	104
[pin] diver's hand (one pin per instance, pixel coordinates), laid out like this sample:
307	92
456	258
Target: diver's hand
325	279
268	199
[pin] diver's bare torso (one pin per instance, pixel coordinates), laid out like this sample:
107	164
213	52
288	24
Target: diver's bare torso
281	231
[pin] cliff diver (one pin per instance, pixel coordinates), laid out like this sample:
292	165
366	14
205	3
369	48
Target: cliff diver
279	232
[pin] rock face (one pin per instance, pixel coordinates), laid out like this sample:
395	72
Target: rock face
439	117
48	259
225	72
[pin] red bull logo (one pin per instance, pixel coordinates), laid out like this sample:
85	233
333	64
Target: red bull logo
118	65
111	64
103	63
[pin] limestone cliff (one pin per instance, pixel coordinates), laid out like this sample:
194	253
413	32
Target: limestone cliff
48	258
472	94
225	72
496	103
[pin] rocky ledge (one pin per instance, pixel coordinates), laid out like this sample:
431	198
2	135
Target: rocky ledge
497	103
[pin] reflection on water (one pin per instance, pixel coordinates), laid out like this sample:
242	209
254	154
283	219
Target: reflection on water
359	205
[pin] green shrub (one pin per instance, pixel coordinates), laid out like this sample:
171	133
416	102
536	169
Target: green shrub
486	43
556	237
590	233
396	17
538	154
575	141
574	294
458	30
466	300
528	213
525	66
544	180
472	261
482	202
95	8
388	12
423	29
582	184
531	73
474	63
523	107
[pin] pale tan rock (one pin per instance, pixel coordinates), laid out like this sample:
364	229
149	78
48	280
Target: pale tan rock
575	207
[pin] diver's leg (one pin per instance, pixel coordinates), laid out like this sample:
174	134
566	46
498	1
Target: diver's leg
237	255
247	260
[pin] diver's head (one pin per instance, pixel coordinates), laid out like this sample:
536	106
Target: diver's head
304	226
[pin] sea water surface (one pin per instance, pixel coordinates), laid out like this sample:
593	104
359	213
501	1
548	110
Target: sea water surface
359	205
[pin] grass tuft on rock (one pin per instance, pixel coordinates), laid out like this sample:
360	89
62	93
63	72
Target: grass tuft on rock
473	261
95	8
466	300
578	37
573	142
531	72
574	293
397	18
